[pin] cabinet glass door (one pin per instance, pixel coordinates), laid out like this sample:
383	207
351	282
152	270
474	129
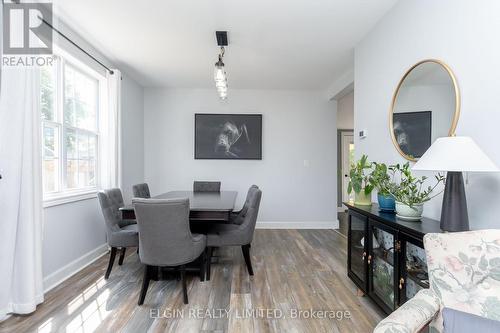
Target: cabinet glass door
414	275
357	249
382	262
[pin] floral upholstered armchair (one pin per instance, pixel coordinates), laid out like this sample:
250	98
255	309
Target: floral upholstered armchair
464	274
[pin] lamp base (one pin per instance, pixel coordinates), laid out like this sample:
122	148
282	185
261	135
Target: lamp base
454	215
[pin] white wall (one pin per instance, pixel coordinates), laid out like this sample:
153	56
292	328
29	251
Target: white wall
297	126
74	233
462	33
345	112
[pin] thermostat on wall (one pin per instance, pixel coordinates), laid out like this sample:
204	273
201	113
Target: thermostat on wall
363	134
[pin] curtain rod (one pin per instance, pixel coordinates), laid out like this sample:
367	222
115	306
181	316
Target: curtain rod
76	45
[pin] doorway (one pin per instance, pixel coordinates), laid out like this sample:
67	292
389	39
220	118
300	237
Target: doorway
345	149
346	158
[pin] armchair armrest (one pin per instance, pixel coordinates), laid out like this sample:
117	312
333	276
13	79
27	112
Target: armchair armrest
412	316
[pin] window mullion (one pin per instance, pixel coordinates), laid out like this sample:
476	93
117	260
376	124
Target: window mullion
60	89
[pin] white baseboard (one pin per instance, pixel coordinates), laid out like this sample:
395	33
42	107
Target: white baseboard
298	225
53	279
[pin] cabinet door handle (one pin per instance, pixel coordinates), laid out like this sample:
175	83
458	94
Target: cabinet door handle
401	283
364	255
369	259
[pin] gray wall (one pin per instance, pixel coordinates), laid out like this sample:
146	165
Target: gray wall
297	126
132	135
462	33
345	111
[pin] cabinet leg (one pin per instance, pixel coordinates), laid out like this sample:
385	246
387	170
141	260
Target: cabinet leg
360	293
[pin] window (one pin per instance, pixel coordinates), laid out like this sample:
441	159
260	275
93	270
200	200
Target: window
70	100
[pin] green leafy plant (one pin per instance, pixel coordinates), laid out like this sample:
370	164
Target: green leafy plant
411	189
359	176
382	178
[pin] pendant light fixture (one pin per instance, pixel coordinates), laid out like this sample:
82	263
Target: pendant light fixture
220	75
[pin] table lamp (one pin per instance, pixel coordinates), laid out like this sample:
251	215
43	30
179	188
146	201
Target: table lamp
455	154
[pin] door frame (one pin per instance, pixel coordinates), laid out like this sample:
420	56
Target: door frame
340	190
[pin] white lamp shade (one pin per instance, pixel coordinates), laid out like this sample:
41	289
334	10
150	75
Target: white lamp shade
455	153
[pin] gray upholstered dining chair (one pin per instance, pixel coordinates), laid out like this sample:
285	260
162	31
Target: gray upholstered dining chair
236	234
165	239
141	191
239	217
120	233
199	186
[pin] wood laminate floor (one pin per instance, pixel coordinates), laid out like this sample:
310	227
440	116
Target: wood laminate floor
294	270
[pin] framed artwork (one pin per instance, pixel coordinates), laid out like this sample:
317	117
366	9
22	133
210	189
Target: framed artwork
228	136
413	132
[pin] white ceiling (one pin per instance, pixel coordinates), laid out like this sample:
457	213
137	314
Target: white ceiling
273	44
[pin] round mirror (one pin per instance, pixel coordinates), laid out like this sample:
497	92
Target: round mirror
425	106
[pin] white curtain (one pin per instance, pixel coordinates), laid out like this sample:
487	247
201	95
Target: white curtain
21	282
111	133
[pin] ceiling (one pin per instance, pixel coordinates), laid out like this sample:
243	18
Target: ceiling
273	44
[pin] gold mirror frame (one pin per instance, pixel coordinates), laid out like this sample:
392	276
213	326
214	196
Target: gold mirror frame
396	93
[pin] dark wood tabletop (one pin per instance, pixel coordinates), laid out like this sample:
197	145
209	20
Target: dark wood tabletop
203	205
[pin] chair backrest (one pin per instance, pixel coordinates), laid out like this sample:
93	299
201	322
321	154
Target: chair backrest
206	186
164	235
141	191
252	212
241	216
464	271
110	201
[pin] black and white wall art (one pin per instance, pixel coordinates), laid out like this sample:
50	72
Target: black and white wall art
413	132
228	136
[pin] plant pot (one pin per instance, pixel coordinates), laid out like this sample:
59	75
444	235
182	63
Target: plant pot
386	203
405	212
362	199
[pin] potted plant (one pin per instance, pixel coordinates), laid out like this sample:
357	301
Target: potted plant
382	178
360	183
411	194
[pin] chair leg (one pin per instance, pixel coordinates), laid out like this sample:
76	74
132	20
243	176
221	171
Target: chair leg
209	261
145	284
246	254
184	284
203	264
122	256
111	261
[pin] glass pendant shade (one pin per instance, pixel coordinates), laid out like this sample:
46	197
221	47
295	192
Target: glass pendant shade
220	79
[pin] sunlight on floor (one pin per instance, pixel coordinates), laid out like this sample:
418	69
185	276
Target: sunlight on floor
85	295
46	327
90	317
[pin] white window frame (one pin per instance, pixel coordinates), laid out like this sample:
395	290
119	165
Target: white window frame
63	195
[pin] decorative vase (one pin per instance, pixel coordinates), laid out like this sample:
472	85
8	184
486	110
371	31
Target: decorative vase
386	203
362	199
405	212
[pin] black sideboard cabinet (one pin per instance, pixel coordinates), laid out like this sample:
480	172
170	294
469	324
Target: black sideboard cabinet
385	255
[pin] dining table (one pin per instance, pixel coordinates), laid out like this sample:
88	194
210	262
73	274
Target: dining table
203	206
